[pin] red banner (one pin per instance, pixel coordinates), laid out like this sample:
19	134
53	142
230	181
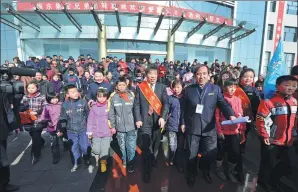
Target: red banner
124	7
279	22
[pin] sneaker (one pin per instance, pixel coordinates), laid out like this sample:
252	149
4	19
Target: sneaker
131	169
74	168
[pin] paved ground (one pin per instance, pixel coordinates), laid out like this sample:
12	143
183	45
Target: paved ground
45	177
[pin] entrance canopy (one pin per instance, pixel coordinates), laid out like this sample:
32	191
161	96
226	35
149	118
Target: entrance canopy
122	14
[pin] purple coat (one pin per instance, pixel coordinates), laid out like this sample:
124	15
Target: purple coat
98	121
51	112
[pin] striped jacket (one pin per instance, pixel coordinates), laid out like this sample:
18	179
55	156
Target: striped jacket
276	119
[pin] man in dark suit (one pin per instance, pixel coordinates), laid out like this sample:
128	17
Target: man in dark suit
150	111
200	101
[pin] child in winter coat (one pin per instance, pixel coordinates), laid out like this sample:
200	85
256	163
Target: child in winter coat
73	118
35	102
121	118
98	129
246	81
50	114
276	125
57	84
72	78
229	134
175	126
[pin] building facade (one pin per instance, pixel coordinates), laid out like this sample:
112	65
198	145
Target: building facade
230	31
281	22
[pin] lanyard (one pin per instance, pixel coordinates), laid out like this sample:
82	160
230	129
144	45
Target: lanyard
202	96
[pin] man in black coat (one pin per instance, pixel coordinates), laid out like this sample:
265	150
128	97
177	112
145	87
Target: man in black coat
150	112
200	102
7	121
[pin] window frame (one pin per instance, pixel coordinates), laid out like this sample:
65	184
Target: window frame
270	32
272	6
286	58
266	61
287	30
291	4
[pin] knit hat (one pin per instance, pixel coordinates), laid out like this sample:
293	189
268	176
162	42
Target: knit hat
294	70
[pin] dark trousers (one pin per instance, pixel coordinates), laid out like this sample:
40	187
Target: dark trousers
231	145
4	171
37	143
150	148
179	157
55	145
248	128
207	146
276	162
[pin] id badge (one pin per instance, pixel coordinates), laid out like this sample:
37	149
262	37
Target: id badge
199	109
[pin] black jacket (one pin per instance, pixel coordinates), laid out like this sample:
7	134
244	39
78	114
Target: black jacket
141	107
7	117
46	88
203	124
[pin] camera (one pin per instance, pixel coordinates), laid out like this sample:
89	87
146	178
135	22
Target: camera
13	87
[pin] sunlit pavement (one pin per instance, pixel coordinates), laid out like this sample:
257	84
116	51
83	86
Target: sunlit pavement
45	177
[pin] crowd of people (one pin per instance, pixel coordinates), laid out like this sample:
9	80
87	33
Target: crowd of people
87	104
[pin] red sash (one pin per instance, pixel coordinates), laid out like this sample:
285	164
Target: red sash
151	97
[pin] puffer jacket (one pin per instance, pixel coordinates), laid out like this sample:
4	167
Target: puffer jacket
236	105
276	119
175	118
98	121
121	112
254	98
75	113
51	113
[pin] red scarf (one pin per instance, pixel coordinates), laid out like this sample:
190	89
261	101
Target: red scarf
33	94
98	104
124	96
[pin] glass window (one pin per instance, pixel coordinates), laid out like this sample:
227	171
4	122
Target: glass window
270	31
289	60
56	49
290	34
272	6
266	61
292	7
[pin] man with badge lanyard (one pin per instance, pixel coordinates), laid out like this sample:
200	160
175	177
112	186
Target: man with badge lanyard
200	101
150	112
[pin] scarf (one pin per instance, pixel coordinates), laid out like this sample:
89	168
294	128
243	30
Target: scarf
124	96
98	104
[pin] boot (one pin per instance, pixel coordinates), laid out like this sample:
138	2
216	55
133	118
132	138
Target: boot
231	168
171	157
86	160
219	171
130	166
103	166
56	160
206	174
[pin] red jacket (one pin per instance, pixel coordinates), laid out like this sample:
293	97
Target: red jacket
276	119
123	66
236	105
162	70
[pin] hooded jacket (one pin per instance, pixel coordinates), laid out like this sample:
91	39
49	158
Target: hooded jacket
98	121
75	113
236	105
121	112
51	113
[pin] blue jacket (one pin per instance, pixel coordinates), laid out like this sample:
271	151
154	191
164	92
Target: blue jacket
174	118
211	97
112	66
73	80
75	113
93	87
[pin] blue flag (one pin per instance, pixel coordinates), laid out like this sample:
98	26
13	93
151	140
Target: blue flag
276	68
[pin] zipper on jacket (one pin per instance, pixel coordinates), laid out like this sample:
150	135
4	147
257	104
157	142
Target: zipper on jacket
288	122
